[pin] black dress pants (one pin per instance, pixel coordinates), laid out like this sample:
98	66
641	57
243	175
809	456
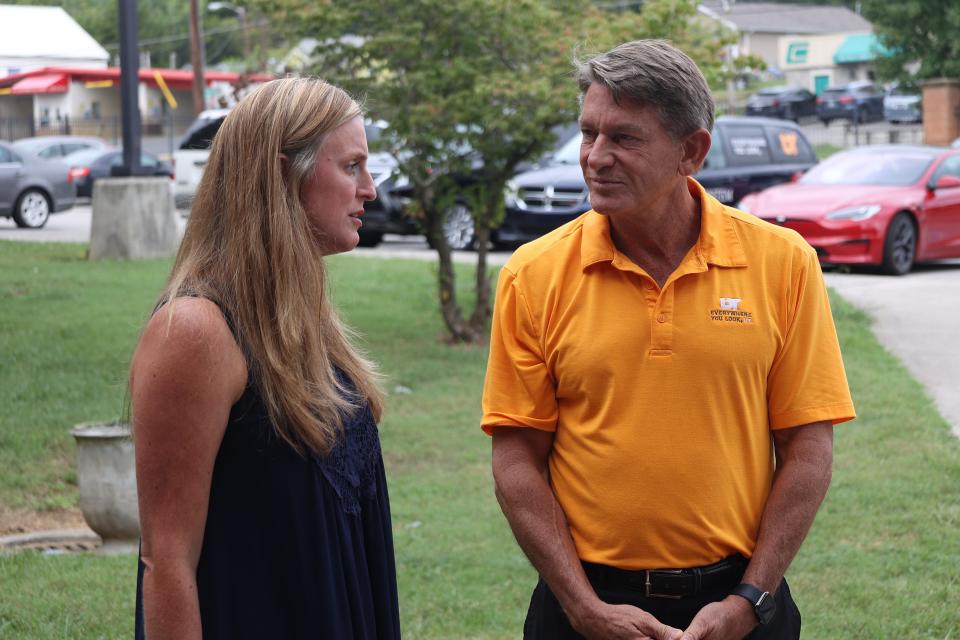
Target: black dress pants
547	621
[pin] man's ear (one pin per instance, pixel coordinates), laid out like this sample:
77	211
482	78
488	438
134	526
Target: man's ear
694	150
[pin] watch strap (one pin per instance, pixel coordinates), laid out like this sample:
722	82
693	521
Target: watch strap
761	601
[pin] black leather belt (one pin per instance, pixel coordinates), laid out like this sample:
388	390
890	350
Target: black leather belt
669	583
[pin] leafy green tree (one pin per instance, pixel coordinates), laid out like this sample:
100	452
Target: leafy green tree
917	31
468	83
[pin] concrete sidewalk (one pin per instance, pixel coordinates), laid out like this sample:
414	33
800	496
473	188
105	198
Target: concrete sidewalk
916	317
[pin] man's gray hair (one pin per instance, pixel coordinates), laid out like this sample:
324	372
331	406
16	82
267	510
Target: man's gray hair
657	74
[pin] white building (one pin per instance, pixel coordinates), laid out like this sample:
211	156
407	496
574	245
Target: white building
812	46
38	37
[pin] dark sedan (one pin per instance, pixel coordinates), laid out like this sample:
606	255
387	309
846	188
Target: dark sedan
789	103
31	189
857	101
86	167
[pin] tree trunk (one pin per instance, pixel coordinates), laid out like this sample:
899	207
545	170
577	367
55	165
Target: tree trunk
460	330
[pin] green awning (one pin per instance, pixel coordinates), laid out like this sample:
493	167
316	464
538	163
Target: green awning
860	48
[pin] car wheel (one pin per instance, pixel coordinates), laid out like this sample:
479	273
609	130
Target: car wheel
788	114
458	227
860	116
32	209
825	121
370	238
900	246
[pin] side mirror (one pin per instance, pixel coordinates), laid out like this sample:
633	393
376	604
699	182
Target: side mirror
945	182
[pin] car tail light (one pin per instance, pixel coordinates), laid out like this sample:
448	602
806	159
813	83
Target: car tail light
77	172
775	103
846	99
819	100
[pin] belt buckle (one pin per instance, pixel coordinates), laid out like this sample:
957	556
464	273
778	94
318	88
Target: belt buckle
648	585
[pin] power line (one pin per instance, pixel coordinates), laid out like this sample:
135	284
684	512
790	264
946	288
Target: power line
186	36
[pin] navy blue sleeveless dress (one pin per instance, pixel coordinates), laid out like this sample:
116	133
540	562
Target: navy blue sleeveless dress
295	547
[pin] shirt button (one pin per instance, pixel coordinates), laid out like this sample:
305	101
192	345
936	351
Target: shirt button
662	317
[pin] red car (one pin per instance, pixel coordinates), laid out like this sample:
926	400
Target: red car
886	205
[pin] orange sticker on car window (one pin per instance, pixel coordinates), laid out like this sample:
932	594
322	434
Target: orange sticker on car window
788	143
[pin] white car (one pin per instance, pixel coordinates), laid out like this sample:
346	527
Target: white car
191	155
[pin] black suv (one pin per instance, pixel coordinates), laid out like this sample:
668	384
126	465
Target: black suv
789	103
747	155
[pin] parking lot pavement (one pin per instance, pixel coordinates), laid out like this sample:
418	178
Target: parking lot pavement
916	318
72	225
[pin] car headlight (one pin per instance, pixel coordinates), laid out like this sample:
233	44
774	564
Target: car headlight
862	212
511	193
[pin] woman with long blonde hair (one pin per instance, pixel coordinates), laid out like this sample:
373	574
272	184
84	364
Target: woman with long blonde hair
263	501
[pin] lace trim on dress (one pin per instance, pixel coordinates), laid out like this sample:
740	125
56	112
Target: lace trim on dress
352	465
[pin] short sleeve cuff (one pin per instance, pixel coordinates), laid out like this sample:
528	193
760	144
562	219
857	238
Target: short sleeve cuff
835	413
494	420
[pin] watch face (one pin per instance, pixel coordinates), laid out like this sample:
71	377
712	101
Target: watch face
765	608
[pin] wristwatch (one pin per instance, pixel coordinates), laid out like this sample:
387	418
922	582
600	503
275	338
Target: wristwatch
763	605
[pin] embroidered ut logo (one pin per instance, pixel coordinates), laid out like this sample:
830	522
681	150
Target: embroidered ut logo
730	304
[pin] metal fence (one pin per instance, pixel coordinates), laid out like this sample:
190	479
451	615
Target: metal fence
844	134
160	135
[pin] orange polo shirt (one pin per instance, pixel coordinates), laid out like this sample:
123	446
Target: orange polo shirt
662	400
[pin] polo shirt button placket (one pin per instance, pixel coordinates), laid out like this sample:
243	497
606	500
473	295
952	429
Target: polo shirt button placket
661	334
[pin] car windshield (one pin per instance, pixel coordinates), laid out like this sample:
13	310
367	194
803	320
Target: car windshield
898	168
774	91
200	134
569	153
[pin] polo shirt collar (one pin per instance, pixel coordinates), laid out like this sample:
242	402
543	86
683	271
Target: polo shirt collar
718	243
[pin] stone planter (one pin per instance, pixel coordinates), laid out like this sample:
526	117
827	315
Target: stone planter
108	485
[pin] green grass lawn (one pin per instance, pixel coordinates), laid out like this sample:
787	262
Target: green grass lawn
883	559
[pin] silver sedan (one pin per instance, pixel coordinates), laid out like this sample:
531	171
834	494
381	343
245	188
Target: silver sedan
31	189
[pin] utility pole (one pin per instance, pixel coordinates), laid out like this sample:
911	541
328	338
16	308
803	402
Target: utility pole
197	56
129	86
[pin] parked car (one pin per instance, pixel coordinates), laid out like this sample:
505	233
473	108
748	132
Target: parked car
58	147
748	154
902	105
191	155
789	103
88	166
859	101
31	189
884	205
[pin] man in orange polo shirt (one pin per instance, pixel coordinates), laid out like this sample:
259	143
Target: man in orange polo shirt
663	381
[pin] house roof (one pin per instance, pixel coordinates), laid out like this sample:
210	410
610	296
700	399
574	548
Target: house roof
174	78
774	17
45	32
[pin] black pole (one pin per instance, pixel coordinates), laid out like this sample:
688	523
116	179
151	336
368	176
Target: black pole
129	84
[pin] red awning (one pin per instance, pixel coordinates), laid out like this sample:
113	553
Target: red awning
49	83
